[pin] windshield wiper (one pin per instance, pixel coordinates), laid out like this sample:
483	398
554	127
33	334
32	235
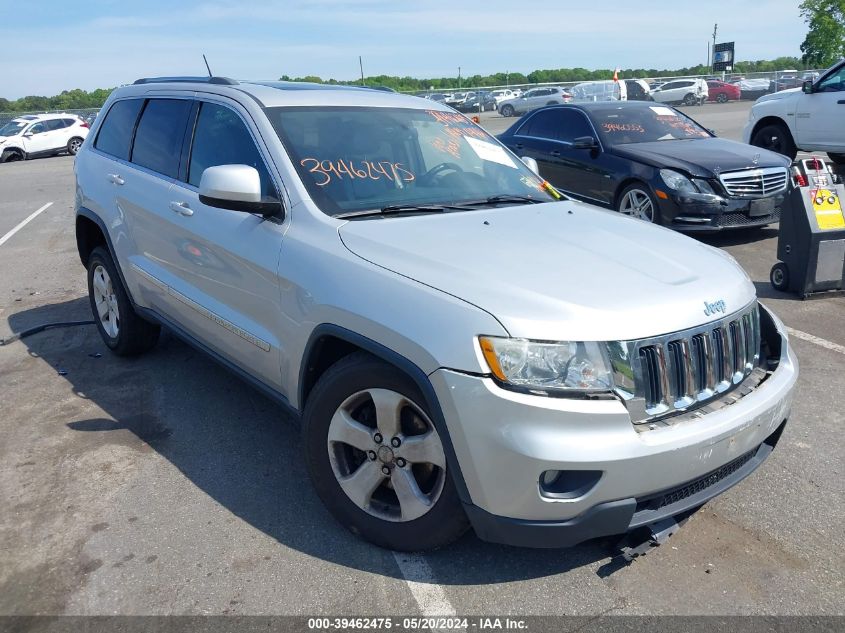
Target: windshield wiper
398	209
506	199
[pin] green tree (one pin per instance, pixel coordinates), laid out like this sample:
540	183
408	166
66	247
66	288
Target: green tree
825	41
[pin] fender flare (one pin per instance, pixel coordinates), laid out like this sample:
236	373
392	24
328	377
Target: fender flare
96	219
410	369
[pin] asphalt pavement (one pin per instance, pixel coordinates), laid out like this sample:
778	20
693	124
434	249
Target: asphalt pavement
164	485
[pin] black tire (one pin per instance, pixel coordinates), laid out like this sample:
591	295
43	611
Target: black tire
12	155
775	137
779	277
643	189
839	159
134	335
551	103
73	145
442	524
507	110
689	99
722	97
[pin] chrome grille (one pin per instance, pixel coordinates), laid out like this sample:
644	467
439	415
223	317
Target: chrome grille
678	371
755	182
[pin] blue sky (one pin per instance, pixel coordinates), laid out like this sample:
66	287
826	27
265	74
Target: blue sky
50	46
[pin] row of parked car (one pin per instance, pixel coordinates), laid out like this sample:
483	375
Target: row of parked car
34	135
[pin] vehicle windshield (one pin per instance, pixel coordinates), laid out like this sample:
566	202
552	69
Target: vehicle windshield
363	158
12	128
620	125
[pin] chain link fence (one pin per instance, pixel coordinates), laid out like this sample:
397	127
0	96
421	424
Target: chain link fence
5	117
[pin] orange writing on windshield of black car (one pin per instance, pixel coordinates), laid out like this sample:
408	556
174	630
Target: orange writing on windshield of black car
623	127
323	170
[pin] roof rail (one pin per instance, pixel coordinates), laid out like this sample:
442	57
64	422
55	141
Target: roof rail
224	81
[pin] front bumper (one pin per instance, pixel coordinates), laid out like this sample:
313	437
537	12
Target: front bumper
505	441
727	213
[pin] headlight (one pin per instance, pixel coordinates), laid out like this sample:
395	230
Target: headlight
677	181
703	186
565	365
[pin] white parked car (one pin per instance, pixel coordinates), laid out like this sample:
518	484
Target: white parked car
686	91
808	118
501	95
35	135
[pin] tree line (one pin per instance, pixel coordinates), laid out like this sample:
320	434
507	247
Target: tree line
76	99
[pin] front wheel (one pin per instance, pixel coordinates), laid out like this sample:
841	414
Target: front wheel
507	110
376	458
722	97
120	327
839	159
775	137
636	201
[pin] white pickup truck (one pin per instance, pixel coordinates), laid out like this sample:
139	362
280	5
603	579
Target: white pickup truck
809	118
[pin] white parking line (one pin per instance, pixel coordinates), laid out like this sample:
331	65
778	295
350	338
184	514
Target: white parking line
8	235
836	347
420	578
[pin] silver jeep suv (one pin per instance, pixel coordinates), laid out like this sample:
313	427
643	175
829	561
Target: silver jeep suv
464	346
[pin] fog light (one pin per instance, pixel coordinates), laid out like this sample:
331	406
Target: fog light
568	484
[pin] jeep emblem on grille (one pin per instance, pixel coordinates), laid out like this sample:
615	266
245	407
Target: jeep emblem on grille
713	308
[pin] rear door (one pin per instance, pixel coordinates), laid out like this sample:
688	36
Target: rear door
223	265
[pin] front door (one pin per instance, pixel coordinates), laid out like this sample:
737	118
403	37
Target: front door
224	263
37	138
820	115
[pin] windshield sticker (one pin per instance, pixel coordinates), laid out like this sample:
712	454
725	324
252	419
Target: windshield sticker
490	152
325	170
662	111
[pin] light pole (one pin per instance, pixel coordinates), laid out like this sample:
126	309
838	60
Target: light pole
459	77
715	28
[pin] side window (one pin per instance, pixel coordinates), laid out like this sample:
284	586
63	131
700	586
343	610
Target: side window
572	124
221	138
671	85
53	124
115	133
834	83
158	141
542	125
38	128
68	122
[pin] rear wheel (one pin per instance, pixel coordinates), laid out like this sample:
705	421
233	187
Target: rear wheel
839	159
636	201
73	145
690	99
376	458
722	97
775	137
507	110
120	327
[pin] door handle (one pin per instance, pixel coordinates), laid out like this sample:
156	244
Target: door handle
554	152
518	146
841	102
116	179
181	208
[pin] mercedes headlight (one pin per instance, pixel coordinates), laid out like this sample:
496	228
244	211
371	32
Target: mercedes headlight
677	181
559	366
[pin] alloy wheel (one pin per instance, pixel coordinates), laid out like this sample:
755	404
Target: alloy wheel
105	300
637	204
386	455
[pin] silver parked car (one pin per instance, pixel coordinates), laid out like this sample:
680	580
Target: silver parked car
532	99
463	345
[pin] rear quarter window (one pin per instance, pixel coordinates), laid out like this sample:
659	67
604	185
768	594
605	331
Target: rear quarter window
115	135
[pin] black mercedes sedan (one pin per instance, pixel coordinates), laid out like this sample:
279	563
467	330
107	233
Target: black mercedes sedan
653	162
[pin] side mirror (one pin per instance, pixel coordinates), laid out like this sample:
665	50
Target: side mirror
807	87
236	188
531	164
585	142
27	134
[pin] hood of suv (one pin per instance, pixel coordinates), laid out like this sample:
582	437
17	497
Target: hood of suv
701	156
559	271
780	95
